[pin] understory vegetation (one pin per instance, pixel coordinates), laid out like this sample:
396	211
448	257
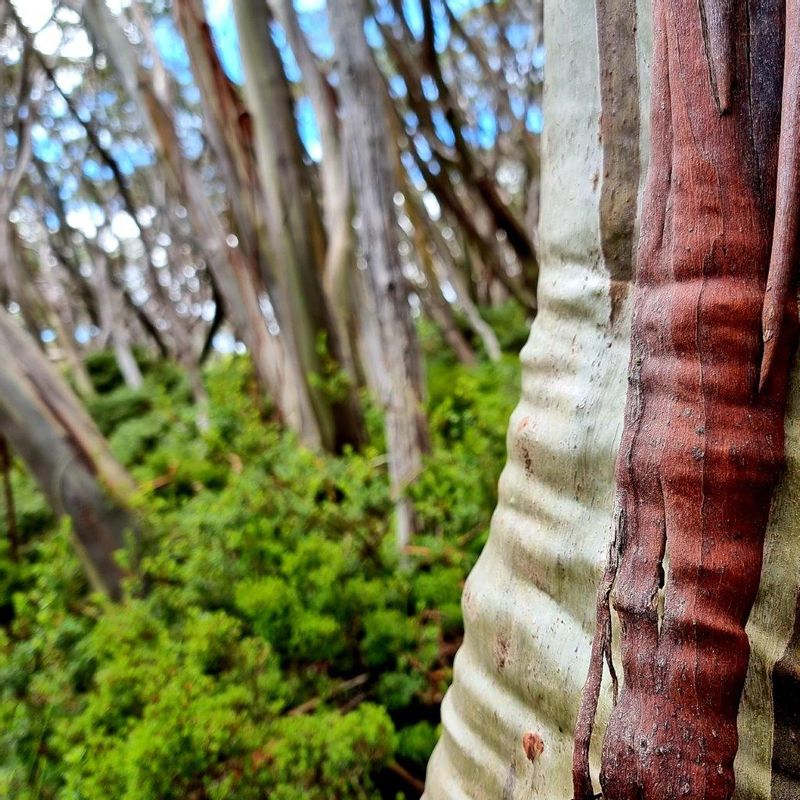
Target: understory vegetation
272	644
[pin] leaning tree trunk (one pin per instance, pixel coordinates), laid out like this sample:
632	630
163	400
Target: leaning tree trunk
295	227
367	137
703	482
235	276
48	429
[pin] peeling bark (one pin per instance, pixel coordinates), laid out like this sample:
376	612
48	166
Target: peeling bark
703	441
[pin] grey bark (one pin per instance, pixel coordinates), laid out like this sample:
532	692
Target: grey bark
47	427
296	231
370	149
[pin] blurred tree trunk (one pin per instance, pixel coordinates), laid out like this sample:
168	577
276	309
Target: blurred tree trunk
61	319
296	232
337	201
453	275
113	321
47	427
475	176
15	162
234	275
370	150
435	303
229	128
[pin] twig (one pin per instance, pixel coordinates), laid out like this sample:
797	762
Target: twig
344	686
410	779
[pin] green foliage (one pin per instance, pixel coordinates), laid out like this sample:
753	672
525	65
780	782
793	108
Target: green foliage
270	646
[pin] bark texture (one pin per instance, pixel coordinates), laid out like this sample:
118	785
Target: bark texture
703	442
367	136
528	604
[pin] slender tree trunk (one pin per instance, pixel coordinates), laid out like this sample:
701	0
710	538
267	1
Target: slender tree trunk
297	236
437	307
337	202
46	426
113	322
62	322
370	148
230	132
6	464
16	283
479	326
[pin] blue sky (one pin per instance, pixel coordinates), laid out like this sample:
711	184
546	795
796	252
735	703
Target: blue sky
313	19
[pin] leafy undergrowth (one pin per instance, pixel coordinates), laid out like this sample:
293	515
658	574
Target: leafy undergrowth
270	646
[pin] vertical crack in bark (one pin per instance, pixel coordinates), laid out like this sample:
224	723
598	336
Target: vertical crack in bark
716	18
619	136
701	451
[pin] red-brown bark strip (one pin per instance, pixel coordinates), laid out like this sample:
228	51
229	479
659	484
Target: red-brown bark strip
781	291
702	446
619	137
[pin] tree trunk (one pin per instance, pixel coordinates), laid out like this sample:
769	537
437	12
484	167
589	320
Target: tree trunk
435	303
528	605
296	233
226	120
337	202
238	282
431	233
47	427
703	444
113	322
370	148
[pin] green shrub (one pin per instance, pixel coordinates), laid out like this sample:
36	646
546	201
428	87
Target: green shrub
278	650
